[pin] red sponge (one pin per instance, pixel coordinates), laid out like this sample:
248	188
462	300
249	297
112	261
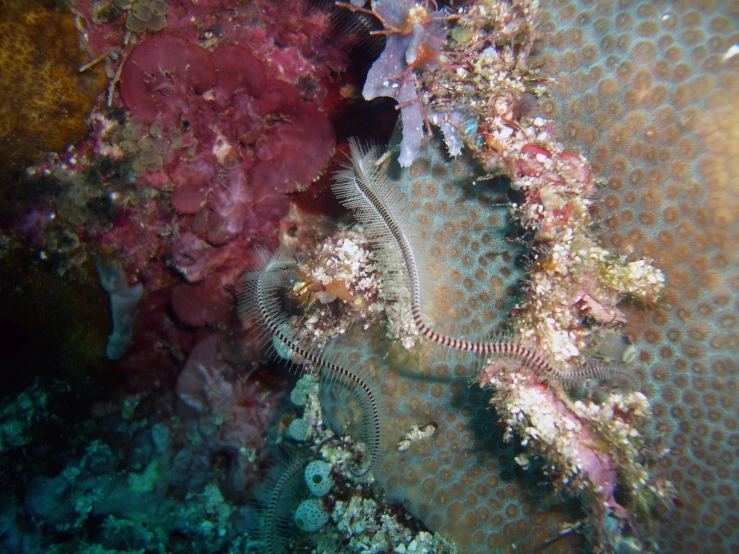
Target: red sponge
205	303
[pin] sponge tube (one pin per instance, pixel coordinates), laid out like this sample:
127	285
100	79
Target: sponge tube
123	302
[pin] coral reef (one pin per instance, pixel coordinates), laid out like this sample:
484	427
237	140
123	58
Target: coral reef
226	413
243	136
130	482
179	188
25	417
521	339
190	182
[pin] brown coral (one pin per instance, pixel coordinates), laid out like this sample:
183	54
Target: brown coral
44	99
666	81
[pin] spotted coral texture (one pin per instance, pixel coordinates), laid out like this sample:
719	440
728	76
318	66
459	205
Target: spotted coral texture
648	92
44	99
462	482
471	263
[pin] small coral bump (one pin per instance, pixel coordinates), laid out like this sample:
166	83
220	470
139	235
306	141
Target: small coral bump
299	430
311	515
318	477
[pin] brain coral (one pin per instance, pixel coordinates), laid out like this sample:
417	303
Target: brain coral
649	91
44	99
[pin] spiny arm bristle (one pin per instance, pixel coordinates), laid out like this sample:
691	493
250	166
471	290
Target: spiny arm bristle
261	298
365	189
378	204
285	485
267	276
601	372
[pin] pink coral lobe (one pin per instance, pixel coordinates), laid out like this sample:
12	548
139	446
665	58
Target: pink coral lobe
229	203
278	97
530	163
244	127
200	372
577	169
228	411
532	151
199	173
193	180
266	181
188	200
299	149
160	73
237	70
196	259
205	303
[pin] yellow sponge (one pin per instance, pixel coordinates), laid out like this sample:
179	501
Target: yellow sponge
44	99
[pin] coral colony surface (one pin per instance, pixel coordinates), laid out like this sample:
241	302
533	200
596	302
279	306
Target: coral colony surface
384	276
